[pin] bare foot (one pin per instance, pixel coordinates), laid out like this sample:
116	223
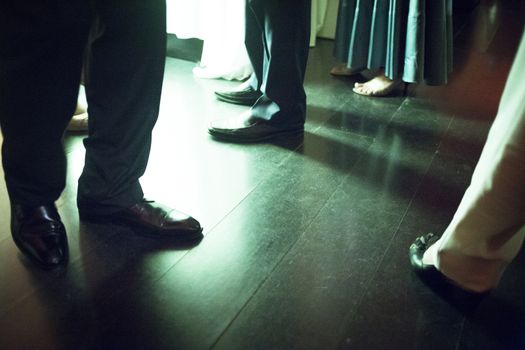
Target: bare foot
378	86
79	121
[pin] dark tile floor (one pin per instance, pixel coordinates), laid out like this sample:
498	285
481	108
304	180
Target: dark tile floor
305	241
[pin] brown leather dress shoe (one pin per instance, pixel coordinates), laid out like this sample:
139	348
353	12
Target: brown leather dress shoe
40	235
152	219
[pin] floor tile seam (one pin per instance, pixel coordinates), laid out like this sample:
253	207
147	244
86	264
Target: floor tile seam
350	134
288	156
210	231
333	113
241	201
260	285
406	104
424	176
395	233
340	107
283	257
163	274
356	134
417	189
349	131
155	279
367	284
401	107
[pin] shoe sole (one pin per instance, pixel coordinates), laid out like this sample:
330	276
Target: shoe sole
242	139
246	102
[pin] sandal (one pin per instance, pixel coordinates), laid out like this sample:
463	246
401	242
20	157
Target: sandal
379	86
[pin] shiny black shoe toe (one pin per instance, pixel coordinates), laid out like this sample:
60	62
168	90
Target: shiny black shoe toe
40	235
246	128
464	300
247	96
418	249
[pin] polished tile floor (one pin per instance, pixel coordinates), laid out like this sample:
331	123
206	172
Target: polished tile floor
305	241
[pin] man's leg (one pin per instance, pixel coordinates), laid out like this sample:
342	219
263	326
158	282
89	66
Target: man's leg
249	91
281	110
124	83
286	30
253	40
41	46
40	62
123	88
488	229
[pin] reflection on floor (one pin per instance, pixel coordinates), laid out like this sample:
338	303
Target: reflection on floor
305	241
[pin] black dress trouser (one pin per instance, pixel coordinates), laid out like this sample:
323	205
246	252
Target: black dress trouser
277	40
42	45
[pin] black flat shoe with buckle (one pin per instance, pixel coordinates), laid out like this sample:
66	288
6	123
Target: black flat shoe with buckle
464	300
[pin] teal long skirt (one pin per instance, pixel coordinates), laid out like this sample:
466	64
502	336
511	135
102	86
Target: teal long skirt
410	39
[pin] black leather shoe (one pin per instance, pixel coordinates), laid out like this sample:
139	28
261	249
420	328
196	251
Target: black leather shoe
40	235
152	219
246	128
245	96
464	300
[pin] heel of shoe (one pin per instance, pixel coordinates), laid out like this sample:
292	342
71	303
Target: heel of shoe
405	88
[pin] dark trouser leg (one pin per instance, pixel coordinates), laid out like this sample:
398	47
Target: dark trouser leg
286	30
41	46
253	41
126	68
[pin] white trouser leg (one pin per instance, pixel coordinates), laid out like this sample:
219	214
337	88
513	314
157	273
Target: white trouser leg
488	228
